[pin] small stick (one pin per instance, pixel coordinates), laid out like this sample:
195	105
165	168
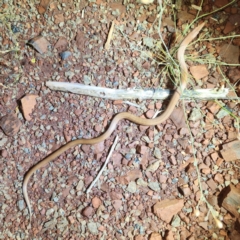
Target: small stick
104	165
156	113
132	104
109	38
116	94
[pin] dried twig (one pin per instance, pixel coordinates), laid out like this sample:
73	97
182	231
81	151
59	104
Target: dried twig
129	93
107	44
104	165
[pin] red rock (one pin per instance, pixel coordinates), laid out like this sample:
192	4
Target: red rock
231	151
98	128
42	8
235	19
61	45
231	199
99	147
236	41
206	170
169	236
78	112
143	128
132	109
186	191
166	209
234	235
212	184
117	159
229	27
150	113
118	102
88	212
163	178
178	118
183	142
146	65
220	3
155	236
40	44
142	149
167	137
58	18
80	40
199	71
151	18
96	202
185	16
116	195
88	179
202	166
4	153
67	136
122	180
10	124
229	53
219	162
118	6
133	175
183	131
173	160
85	148
214	156
209	134
189	149
168	22
213	107
158	105
117	204
185	233
219	178
28	103
204	225
150	133
71	219
102	228
233	75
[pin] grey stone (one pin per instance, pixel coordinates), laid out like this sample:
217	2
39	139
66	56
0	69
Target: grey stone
176	222
195	115
87	80
155	186
132	187
21	205
92	227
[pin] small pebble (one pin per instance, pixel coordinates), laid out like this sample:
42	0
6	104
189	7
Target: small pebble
64	55
154	186
92	227
96	202
4	153
132	187
88	212
21	205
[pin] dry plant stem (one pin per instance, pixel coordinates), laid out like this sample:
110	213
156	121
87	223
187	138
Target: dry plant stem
206	14
124	115
218	38
109	38
3	86
159	33
115	94
202	197
104	165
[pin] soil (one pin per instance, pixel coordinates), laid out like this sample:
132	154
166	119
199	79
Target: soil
150	187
